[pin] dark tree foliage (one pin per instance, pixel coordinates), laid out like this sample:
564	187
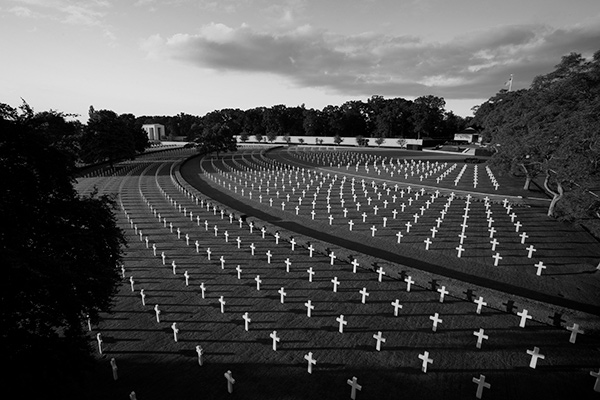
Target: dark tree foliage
60	253
110	137
216	138
552	130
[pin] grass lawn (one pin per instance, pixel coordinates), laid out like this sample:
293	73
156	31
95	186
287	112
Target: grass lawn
153	365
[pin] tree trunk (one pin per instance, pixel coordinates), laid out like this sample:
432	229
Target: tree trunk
527	177
556	196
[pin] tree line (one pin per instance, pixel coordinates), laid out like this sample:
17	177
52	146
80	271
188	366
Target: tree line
551	131
377	118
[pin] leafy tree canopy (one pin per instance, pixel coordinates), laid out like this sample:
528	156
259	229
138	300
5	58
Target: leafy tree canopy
216	138
551	130
60	252
111	137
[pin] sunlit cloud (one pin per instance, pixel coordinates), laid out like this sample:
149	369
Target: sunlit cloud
470	66
75	12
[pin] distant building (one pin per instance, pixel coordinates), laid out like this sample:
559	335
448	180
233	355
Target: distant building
154	131
468	135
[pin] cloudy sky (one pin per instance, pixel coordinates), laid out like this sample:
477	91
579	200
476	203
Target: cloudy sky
163	57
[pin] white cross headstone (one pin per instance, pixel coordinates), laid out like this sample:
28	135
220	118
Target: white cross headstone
282	294
442	292
175	330
435	318
426	360
354	265
480	303
535	355
524	317
341	322
481	384
574	331
540	266
380	339
364	294
309	308
335	283
247	321
497	257
355	386
480	336
396	304
311	361
597	376
275	340
230	381
113	364
99	340
200	352
222	301
409	281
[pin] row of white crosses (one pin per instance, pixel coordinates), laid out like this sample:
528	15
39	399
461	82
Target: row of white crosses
378	337
247	319
428	241
395	167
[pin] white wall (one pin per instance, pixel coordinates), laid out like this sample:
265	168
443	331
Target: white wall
328	140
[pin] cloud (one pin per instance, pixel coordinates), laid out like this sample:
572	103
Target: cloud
76	12
474	65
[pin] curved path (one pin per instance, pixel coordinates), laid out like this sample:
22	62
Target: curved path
193	173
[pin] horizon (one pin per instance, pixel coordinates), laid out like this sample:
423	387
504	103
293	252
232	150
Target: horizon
152	58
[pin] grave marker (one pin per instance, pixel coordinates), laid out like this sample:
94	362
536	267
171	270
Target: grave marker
99	340
175	330
480	303
380	339
355	386
282	294
222	301
200	352
524	317
597	376
540	266
442	292
113	364
230	381
335	284
435	318
535	355
311	361
275	340
309	308
247	321
426	360
364	294
480	336
574	331
157	312
481	384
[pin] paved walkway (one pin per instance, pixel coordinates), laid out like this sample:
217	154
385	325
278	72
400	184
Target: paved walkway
191	172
